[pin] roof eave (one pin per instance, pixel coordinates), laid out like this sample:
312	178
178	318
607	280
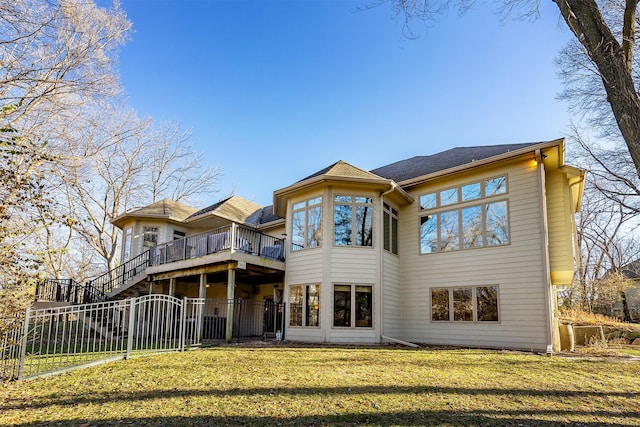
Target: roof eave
271	224
478	163
120	220
280	196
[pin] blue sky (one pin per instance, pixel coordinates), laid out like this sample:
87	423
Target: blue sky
273	91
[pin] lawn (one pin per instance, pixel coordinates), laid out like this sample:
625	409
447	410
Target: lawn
314	386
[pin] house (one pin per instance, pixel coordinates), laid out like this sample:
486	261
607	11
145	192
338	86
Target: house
464	247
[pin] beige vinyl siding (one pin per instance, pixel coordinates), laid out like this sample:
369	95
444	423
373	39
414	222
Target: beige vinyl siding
353	336
305	267
517	268
353	265
392	294
560	226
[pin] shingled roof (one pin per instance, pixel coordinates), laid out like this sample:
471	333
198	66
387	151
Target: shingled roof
163	209
424	165
341	168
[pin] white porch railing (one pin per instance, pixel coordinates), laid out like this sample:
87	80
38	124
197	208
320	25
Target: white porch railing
235	238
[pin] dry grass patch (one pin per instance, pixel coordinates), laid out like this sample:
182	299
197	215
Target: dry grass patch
333	386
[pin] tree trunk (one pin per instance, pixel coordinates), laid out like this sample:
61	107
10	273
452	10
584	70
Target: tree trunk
585	20
625	307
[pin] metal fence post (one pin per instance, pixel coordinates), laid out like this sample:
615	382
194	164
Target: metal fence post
181	325
132	321
23	350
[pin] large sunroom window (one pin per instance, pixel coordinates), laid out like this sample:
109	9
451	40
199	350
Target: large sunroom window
353	221
306	224
469	216
304	305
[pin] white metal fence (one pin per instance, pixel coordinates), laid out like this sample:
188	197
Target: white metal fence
57	339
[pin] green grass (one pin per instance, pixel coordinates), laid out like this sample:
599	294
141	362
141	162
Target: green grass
314	386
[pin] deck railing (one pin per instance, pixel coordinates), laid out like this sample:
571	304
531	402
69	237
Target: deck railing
235	238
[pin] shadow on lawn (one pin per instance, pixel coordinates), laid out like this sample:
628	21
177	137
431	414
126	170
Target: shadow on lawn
413	418
82	398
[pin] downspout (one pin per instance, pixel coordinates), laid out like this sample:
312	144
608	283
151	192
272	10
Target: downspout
545	250
381	272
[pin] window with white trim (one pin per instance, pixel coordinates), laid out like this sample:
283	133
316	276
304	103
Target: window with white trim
306	224
353	221
465	304
304	305
469	216
352	305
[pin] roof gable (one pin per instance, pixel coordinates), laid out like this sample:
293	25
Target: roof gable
342	169
233	208
163	209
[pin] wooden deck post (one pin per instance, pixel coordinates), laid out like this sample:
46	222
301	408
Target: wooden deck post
231	284
172	286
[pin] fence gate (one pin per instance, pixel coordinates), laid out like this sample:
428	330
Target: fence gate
52	340
63	338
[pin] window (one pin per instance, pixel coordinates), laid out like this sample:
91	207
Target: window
307	224
304	305
497	224
353	225
149	236
362	313
465	304
495	186
390	226
177	234
439	304
127	245
467	192
472	225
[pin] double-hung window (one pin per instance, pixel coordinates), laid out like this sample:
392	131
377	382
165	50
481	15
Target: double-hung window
306	224
304	305
352	305
469	216
353	221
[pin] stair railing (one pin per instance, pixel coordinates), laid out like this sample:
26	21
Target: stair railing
67	290
121	274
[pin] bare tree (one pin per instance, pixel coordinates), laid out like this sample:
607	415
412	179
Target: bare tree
119	162
606	226
54	54
604	30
